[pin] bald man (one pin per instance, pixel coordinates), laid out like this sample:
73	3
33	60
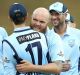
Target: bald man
39	22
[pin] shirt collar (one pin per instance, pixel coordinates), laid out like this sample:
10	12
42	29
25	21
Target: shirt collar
68	31
20	29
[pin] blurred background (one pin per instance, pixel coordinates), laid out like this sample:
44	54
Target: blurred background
73	7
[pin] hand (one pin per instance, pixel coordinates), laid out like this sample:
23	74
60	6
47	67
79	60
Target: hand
65	66
24	67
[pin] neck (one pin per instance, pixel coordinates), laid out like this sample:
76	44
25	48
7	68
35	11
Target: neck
20	25
60	29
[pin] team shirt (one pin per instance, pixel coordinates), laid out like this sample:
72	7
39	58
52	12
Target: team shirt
24	44
71	50
55	47
3	34
54	43
77	33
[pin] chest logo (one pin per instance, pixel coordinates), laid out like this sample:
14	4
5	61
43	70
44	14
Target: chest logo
60	53
71	42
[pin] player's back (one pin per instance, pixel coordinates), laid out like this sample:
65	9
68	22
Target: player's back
31	42
29	45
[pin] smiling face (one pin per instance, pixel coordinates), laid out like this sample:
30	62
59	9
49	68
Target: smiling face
40	19
57	18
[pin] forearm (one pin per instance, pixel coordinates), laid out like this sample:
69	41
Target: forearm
49	68
26	66
55	67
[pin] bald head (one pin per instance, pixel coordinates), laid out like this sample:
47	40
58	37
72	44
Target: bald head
42	12
40	19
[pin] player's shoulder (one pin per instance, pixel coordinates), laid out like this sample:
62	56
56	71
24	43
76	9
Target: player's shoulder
2	29
32	33
8	38
3	32
54	34
40	33
75	31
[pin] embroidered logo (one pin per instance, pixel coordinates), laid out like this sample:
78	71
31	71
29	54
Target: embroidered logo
60	53
71	42
6	60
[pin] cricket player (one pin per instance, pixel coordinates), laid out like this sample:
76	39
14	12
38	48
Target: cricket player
25	44
68	35
39	22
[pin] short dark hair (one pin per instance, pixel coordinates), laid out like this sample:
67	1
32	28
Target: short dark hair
17	13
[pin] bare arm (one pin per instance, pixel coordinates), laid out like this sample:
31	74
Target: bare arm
26	66
55	67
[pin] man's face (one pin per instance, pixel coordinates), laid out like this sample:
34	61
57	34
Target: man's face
39	22
57	18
